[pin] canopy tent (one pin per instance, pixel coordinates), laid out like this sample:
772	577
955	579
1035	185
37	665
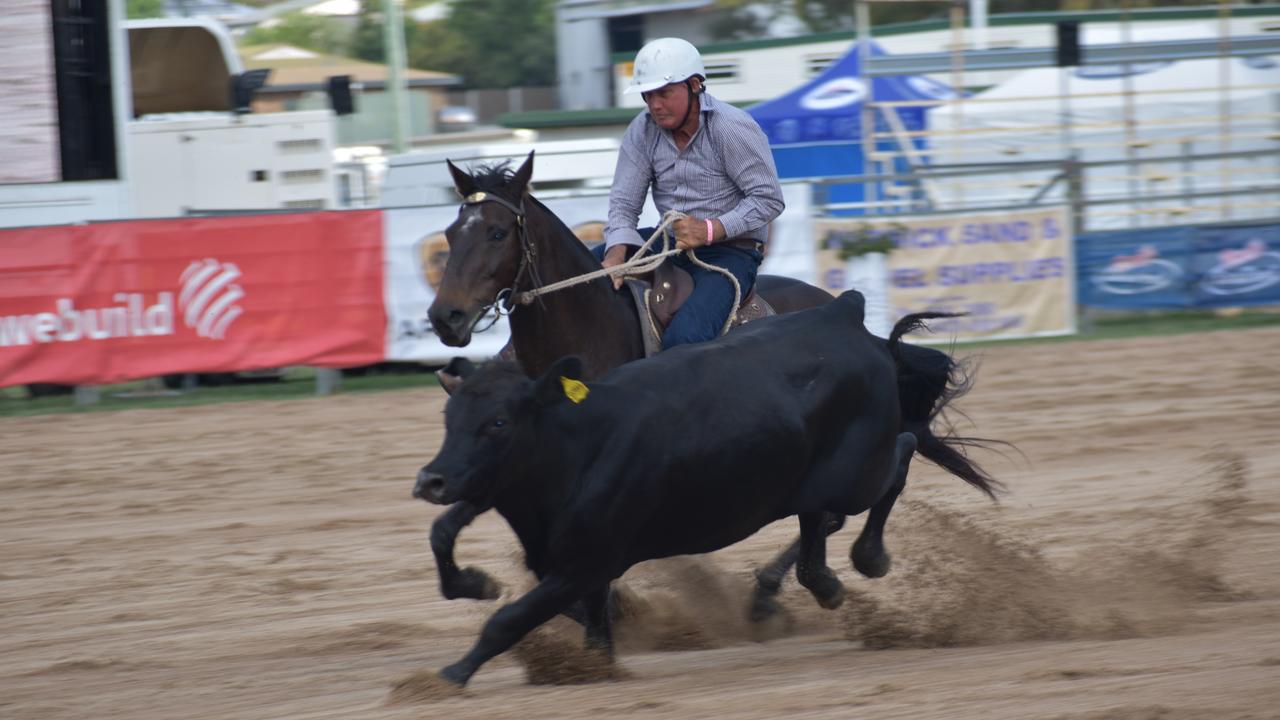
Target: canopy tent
1168	99
816	129
1175	111
1116	112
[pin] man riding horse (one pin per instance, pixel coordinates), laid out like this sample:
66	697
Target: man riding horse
704	158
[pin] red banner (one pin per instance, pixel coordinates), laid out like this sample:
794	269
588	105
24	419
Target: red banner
92	304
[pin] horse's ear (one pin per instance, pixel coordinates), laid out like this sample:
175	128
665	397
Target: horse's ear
563	380
462	181
520	181
452	375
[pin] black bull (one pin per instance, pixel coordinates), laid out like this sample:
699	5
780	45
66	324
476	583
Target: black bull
687	452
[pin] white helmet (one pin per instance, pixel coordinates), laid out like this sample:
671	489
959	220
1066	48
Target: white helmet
662	62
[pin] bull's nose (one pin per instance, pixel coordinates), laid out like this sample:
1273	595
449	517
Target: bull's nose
430	486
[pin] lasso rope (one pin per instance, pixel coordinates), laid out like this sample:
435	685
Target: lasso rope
639	264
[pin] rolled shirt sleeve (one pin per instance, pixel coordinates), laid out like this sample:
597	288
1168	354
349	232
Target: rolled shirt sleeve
631	180
749	162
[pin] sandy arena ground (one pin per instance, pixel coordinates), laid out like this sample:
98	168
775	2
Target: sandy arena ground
266	560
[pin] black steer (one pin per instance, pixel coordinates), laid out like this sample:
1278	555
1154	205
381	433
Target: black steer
687	452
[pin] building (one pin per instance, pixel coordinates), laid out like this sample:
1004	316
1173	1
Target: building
299	80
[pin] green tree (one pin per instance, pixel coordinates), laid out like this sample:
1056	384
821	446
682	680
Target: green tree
366	41
491	43
137	9
503	43
312	32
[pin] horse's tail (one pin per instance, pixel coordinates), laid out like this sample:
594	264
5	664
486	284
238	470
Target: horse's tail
929	380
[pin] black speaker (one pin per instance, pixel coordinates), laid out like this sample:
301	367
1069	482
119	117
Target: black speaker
1068	43
340	95
244	85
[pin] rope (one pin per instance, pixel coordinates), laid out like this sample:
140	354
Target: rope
640	264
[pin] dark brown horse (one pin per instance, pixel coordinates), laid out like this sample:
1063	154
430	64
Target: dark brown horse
505	241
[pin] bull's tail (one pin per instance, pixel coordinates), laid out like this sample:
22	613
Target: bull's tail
929	380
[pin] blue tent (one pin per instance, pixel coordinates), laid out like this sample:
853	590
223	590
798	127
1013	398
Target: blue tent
815	130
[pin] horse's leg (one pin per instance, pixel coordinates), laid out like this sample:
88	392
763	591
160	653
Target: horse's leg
769	578
868	553
456	583
512	622
811	565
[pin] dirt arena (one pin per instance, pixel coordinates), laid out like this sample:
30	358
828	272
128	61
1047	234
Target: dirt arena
265	560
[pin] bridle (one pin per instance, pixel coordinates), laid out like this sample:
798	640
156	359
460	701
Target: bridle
503	302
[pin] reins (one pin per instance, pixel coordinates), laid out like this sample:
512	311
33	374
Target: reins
639	264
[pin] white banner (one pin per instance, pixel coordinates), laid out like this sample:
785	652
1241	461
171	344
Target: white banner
1010	273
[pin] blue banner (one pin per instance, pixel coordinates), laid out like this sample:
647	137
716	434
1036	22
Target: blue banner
1214	266
1236	265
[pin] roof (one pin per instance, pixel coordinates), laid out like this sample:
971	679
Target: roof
292	65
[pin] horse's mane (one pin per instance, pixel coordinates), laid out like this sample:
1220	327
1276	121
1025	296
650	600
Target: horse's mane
495	178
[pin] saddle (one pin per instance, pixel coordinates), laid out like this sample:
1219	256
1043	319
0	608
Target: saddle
658	295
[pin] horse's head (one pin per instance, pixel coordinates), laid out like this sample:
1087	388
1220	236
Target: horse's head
485	248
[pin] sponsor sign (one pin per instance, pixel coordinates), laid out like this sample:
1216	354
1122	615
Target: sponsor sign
102	303
1011	273
1213	266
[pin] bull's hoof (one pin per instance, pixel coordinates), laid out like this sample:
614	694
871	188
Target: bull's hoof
473	584
826	588
764	607
870	560
456	675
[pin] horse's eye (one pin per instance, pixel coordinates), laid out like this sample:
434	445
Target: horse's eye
497	235
499	423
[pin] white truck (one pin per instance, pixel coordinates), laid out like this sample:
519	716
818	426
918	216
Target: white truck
170	137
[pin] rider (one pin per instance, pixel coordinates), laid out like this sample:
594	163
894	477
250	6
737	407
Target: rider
705	158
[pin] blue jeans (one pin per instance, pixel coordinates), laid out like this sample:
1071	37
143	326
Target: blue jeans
702	316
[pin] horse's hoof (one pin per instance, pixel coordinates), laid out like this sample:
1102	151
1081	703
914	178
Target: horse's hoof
472	583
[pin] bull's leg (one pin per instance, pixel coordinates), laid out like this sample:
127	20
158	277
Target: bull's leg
512	622
769	578
811	566
456	583
599	633
868	553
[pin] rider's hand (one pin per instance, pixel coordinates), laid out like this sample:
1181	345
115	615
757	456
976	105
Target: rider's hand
692	233
615	255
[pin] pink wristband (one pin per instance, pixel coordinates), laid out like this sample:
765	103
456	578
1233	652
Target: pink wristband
710	231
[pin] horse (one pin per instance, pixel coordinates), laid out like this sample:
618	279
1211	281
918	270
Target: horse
505	241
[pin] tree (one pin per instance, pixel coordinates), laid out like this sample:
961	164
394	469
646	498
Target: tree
366	41
138	9
491	43
313	32
502	43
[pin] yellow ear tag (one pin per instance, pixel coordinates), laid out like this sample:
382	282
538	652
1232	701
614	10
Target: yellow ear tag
575	390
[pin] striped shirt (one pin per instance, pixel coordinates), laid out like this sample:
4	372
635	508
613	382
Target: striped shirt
726	172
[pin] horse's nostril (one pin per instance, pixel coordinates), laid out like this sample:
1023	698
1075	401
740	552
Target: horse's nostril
456	317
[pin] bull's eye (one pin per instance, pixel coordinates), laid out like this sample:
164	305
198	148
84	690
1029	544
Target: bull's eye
498	235
499	423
